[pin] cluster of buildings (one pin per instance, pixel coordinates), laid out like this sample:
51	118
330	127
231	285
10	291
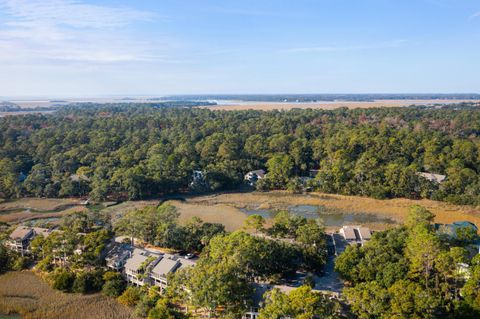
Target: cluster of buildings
138	266
142	267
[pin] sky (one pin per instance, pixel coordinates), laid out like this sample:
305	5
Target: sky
74	48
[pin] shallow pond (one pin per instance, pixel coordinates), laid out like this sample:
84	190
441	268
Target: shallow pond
331	217
42	221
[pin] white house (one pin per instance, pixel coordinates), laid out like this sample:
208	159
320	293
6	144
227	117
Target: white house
435	178
253	176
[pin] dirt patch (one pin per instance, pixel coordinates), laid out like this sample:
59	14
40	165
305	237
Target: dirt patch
26	294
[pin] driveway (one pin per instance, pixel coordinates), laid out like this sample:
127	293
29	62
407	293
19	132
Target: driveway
330	281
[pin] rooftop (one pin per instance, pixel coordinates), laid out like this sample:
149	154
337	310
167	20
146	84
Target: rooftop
138	257
165	266
437	178
349	232
22	233
357	233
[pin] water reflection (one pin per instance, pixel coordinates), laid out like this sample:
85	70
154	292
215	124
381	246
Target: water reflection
331	217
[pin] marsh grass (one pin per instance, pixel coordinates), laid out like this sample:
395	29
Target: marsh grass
225	208
27	294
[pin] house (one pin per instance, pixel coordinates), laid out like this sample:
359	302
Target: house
142	267
138	266
253	176
117	256
20	238
168	264
198	179
355	234
451	230
434	178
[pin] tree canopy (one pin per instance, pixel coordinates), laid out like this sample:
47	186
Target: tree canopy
137	151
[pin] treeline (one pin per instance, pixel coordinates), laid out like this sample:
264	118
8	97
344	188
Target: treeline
414	271
137	151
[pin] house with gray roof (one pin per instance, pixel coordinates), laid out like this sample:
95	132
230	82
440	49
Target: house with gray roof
117	256
355	234
19	239
167	265
138	266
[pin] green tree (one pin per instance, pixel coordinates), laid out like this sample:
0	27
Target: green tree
368	300
422	250
301	303
279	170
411	300
254	222
419	216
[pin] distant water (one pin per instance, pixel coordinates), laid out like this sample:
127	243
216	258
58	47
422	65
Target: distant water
13	316
330	217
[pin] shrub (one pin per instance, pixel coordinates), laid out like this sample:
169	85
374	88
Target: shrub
62	279
20	263
88	282
114	284
45	264
5	261
130	297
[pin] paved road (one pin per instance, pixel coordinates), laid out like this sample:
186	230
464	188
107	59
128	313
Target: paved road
331	280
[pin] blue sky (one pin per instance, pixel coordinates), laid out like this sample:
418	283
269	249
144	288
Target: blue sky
153	47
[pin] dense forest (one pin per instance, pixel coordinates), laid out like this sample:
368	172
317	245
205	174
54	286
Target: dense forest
141	150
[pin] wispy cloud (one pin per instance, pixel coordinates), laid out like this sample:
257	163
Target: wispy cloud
475	16
346	48
70	30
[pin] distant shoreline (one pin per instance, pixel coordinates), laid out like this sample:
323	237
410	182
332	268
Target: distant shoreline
329	105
